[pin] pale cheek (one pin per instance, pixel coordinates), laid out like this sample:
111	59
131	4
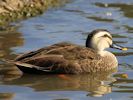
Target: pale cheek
95	43
110	41
102	44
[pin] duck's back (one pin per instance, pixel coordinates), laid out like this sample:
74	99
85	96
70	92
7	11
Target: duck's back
67	50
63	58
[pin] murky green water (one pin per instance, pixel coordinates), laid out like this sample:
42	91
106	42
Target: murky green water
69	23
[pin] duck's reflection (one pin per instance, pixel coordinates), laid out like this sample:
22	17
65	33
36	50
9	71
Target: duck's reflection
96	84
101	90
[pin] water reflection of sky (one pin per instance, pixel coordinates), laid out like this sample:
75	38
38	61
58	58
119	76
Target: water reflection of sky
69	22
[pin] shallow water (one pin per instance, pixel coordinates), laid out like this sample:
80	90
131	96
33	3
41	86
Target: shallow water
70	22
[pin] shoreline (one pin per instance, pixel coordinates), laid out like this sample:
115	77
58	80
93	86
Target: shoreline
14	10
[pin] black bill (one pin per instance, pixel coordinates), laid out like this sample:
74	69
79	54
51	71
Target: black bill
116	46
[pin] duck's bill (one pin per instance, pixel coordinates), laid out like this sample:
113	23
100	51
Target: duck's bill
116	46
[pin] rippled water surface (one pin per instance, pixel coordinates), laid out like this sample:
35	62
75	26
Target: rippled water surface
70	22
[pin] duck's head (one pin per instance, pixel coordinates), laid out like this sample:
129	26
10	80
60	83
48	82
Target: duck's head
101	39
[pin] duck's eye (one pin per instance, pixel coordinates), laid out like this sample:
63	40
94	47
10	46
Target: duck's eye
107	36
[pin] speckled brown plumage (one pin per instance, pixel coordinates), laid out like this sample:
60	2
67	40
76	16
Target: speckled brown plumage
64	58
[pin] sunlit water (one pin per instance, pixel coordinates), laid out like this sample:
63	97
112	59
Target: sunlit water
72	23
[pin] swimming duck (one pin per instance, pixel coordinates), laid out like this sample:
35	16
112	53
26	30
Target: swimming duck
69	58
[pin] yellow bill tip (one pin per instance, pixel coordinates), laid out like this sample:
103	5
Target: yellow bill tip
124	49
124	76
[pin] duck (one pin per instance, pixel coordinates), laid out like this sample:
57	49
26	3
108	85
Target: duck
68	58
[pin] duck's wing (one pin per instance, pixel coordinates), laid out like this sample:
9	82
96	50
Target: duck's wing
58	58
49	64
45	50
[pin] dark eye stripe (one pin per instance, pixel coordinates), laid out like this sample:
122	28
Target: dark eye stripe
107	36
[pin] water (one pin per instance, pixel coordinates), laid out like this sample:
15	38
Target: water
70	22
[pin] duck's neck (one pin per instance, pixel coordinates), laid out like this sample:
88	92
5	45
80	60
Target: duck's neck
108	58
